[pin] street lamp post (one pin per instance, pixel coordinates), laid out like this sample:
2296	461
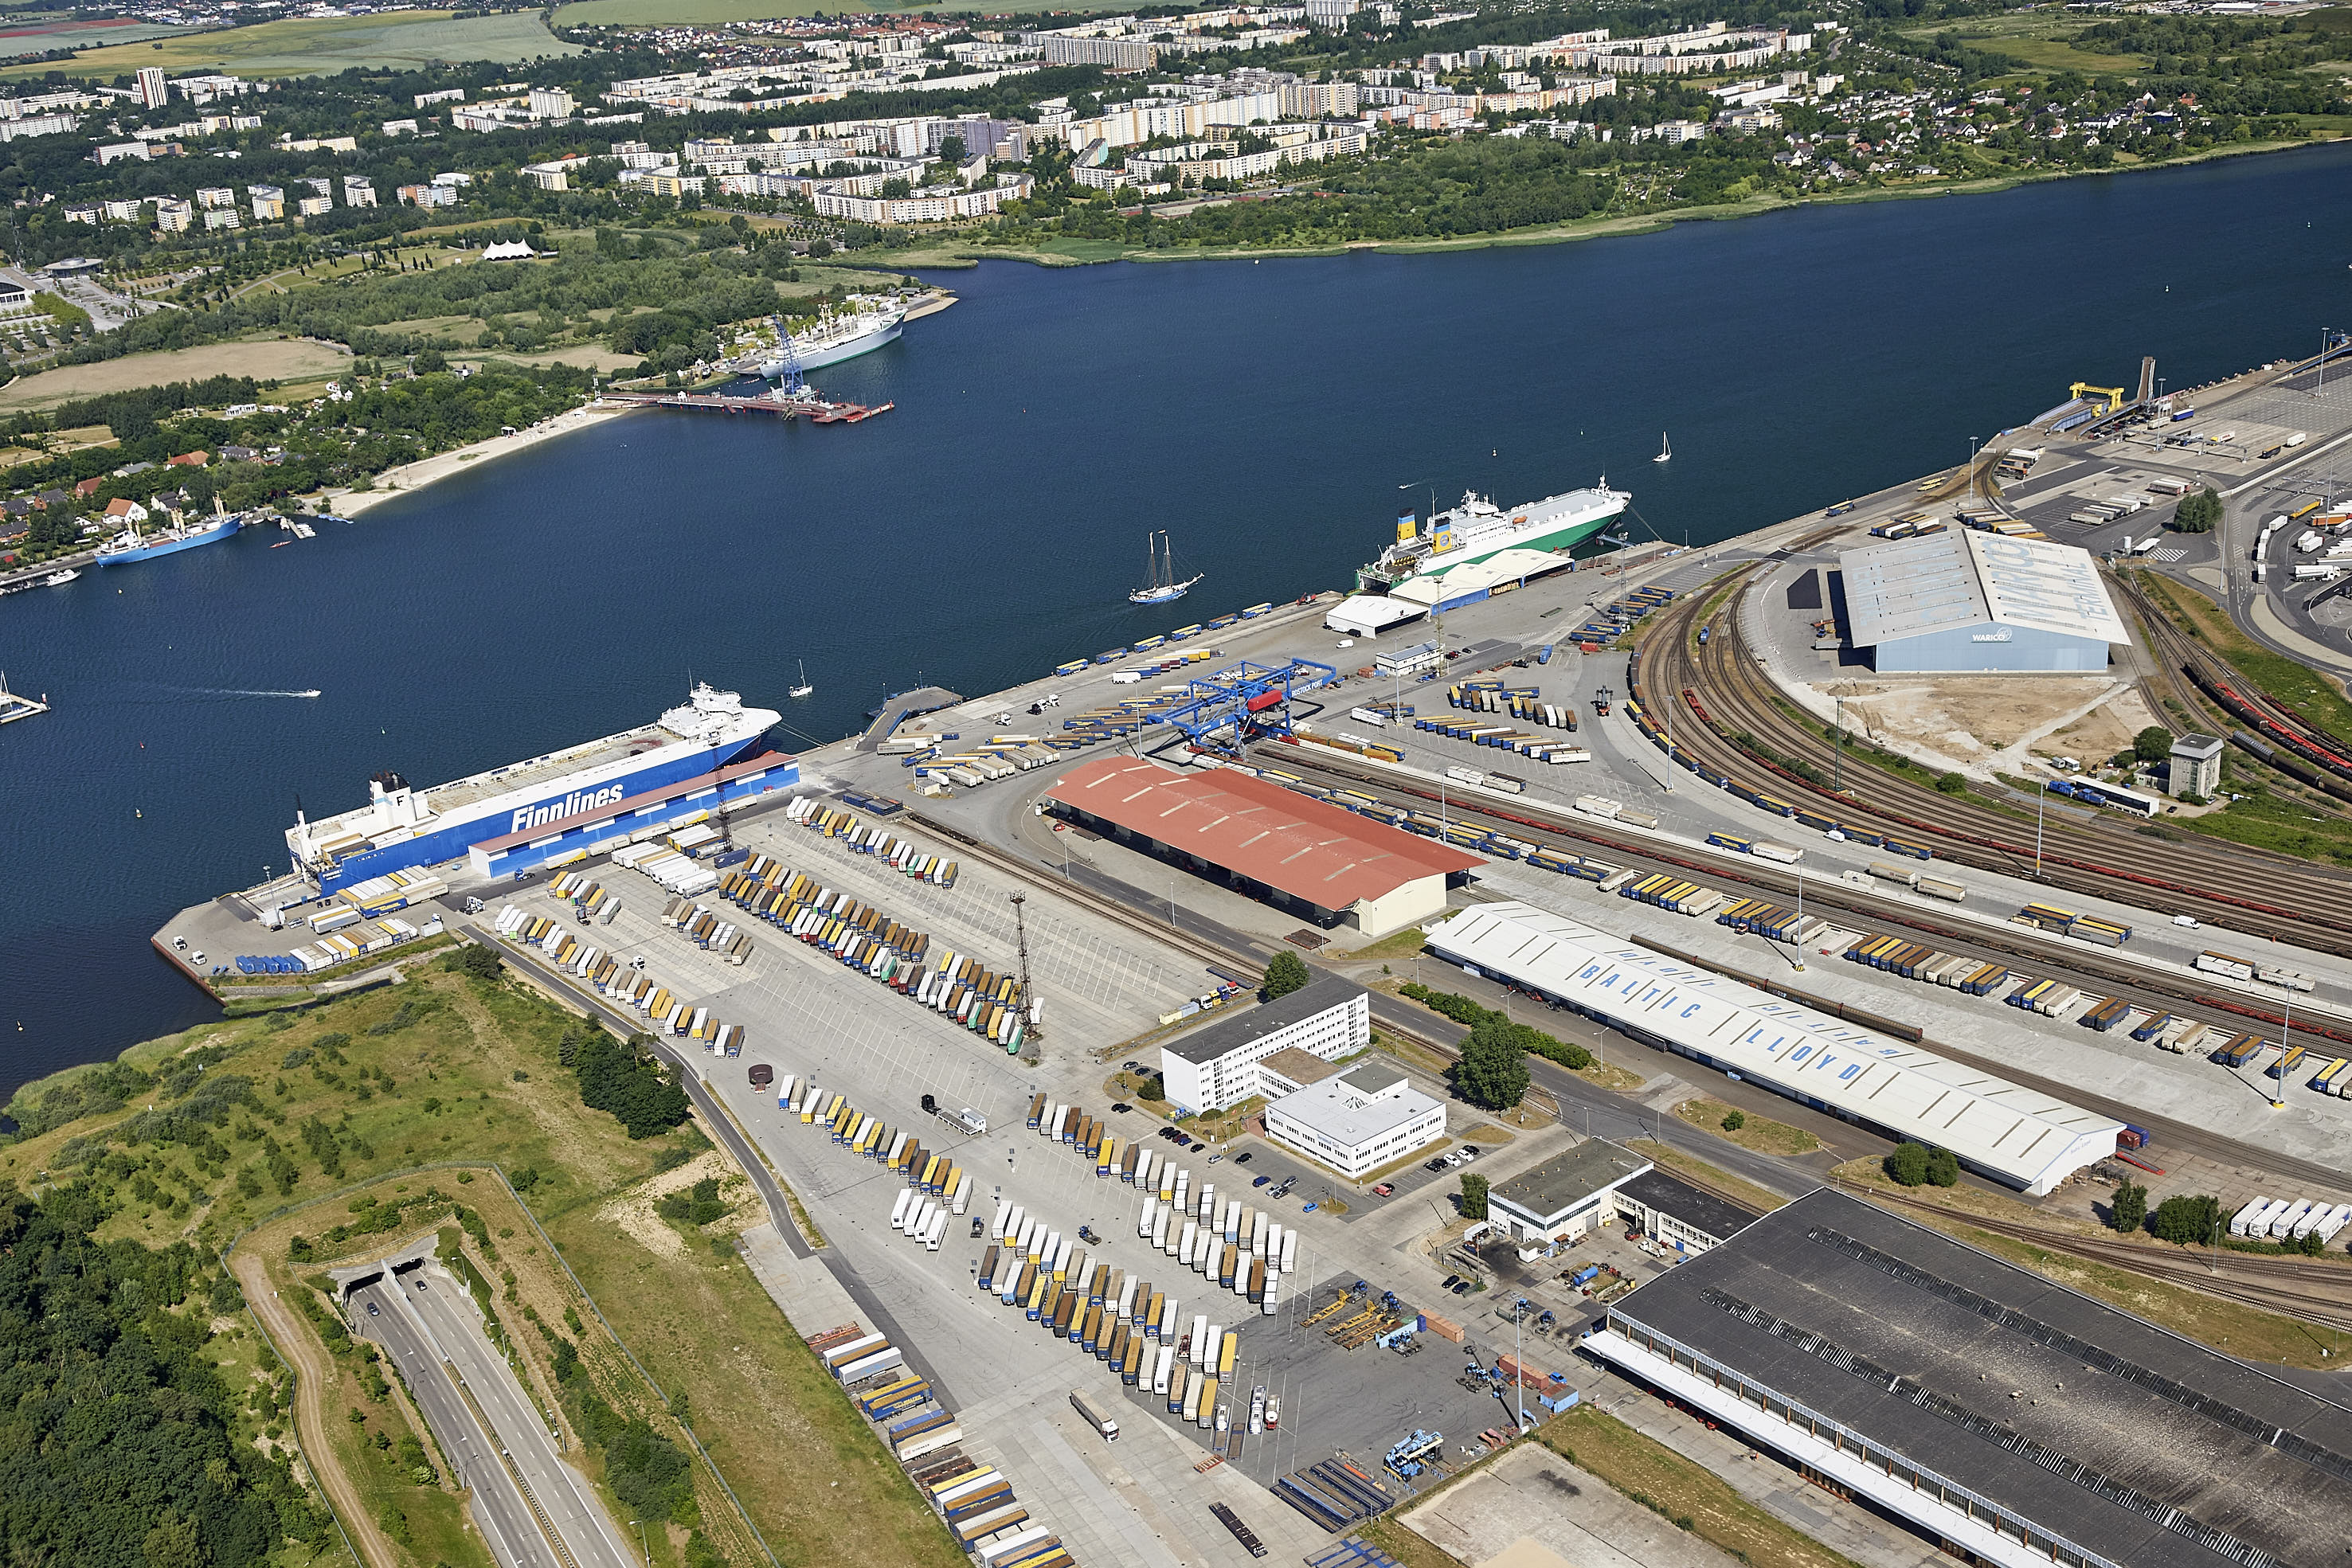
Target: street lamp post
642	1543
1801	917
2321	385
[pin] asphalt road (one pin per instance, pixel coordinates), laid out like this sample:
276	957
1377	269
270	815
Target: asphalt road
456	1331
497	1507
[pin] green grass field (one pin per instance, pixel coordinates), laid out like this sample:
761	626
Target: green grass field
323	46
2037	39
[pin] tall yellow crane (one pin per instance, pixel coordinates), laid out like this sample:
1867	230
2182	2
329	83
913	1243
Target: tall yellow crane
2114	395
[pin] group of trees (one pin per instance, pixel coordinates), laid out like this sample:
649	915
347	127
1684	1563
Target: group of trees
2198	512
1917	1165
623	1078
1492	1071
117	1440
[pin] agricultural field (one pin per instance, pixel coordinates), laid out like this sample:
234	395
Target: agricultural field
39	32
276	360
324	46
2039	39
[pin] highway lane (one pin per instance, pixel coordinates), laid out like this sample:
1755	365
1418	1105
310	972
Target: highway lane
454	1328
498	1507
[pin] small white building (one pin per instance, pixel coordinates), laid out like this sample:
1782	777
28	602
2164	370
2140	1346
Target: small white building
1568	1196
1218	1066
1365	1118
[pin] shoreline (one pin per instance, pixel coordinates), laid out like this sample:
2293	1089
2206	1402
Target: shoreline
1627	225
407	478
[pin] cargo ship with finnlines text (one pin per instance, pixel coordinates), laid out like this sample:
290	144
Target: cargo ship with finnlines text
704	751
1477	530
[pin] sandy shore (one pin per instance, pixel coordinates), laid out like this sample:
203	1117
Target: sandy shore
410	477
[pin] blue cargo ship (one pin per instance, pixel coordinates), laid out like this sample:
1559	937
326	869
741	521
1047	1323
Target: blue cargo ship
521	814
132	545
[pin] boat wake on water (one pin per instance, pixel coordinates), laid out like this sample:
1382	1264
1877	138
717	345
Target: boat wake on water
175	694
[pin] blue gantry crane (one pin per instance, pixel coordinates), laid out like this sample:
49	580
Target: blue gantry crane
1225	705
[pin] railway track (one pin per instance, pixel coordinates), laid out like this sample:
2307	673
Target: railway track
2302	1290
2310	1292
1764	879
1729	717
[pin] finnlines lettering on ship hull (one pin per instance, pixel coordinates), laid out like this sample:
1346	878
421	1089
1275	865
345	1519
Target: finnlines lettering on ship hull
572	805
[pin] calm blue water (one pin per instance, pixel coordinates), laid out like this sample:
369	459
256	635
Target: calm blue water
1272	416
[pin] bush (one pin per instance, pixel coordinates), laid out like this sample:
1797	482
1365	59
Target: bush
1907	1164
476	961
1473	1197
1734	1120
2185	1219
1152	1089
1285	974
1943	1168
1951	784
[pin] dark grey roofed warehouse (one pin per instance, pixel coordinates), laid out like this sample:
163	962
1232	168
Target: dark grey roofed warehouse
1999	1412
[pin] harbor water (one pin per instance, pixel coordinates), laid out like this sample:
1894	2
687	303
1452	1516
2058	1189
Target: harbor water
1273	417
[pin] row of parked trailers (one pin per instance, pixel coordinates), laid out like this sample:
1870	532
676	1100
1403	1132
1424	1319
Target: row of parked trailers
2068	923
900	855
1112	655
1137	1328
1488	694
672	867
862	937
1613	620
2238	968
620	982
708	929
2284	1220
1502	737
975	1499
2057	999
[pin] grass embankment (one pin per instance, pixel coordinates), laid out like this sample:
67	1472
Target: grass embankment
1389	1534
2230	1326
1760	1134
1681	1490
266	1123
2318	699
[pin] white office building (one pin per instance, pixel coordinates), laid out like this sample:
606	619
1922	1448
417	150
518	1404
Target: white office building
1365	1118
1216	1067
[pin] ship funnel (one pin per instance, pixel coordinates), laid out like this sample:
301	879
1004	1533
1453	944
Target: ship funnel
1406	525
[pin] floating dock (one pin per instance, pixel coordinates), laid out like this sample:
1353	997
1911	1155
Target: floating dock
13	707
811	407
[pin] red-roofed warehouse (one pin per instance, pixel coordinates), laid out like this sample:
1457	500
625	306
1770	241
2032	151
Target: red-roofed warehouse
1290	850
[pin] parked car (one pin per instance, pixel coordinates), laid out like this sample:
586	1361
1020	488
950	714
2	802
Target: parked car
1384	1190
1212	1158
1451	1281
1468	1151
1437	1164
1261	1181
1121	1107
1462	1288
1195	1148
1243	1158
